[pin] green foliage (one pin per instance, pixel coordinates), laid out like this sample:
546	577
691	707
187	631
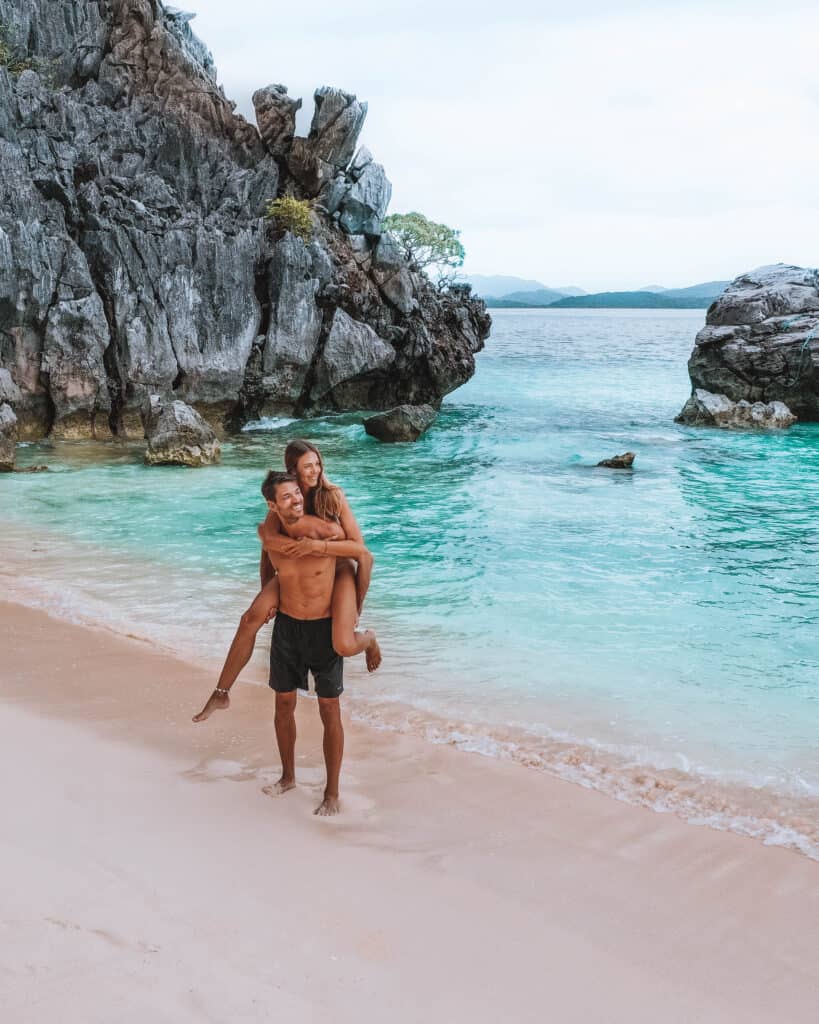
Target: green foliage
15	64
425	243
289	214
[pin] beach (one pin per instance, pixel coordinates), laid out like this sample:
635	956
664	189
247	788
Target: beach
149	877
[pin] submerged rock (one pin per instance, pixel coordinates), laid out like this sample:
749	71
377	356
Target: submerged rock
624	461
760	344
704	409
405	423
177	435
8	438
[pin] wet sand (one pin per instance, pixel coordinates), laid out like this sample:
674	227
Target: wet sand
148	877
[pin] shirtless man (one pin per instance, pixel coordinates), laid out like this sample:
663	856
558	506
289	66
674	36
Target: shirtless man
302	638
265	604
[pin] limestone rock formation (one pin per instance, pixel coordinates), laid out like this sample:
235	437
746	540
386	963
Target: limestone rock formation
404	423
704	409
134	254
276	118
760	342
8	438
177	435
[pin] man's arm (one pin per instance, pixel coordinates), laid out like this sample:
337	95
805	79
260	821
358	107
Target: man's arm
316	529
334	548
288	544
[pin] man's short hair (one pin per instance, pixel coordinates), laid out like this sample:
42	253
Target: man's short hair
272	481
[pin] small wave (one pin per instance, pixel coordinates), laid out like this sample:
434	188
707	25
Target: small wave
700	798
267	423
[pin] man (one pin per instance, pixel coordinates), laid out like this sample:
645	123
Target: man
302	638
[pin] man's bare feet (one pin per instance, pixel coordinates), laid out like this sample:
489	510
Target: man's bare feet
372	653
329	805
277	788
218	701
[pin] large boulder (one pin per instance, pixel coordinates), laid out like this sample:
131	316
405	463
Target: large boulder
8	438
404	423
177	435
704	409
352	350
760	342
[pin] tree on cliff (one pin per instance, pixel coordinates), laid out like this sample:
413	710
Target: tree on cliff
425	243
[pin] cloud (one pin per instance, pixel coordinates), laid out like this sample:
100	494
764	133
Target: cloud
674	142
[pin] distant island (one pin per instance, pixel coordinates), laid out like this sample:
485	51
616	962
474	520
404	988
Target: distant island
501	292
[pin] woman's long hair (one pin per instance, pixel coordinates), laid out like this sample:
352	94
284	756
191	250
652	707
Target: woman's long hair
325	500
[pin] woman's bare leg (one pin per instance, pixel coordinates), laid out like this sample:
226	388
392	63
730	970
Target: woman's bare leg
264	607
347	641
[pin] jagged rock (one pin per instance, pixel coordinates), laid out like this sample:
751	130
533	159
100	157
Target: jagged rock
624	461
364	204
337	123
276	118
405	423
760	342
352	350
392	275
704	409
8	438
134	255
295	323
9	392
177	435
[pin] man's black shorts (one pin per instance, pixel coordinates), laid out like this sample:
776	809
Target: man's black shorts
302	644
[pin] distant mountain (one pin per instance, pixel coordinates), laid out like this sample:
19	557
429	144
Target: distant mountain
709	290
493	286
540	297
634	300
651	288
501	286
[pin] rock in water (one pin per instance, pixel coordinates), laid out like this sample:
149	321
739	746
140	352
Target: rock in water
177	435
405	423
704	409
135	257
760	344
623	461
8	438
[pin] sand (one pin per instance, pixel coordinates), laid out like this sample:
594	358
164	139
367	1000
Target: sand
147	877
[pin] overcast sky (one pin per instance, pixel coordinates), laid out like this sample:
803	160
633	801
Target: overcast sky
610	145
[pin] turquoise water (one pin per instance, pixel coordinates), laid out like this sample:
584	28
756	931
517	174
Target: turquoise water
667	616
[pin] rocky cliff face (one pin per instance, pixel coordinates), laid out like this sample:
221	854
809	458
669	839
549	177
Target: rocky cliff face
760	342
134	257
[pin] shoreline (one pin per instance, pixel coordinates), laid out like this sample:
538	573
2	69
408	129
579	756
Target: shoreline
634	776
141	843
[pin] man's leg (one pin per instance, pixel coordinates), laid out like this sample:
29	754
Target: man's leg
285	722
264	606
330	711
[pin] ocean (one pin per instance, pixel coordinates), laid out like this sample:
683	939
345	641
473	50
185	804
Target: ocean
653	634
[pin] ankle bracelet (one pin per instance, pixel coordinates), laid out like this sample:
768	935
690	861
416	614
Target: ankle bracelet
220	690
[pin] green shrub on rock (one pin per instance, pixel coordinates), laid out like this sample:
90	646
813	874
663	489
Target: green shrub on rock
289	214
12	61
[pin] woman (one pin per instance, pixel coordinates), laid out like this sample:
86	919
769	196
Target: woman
328	515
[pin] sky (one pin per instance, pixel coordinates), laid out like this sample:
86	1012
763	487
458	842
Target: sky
603	145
